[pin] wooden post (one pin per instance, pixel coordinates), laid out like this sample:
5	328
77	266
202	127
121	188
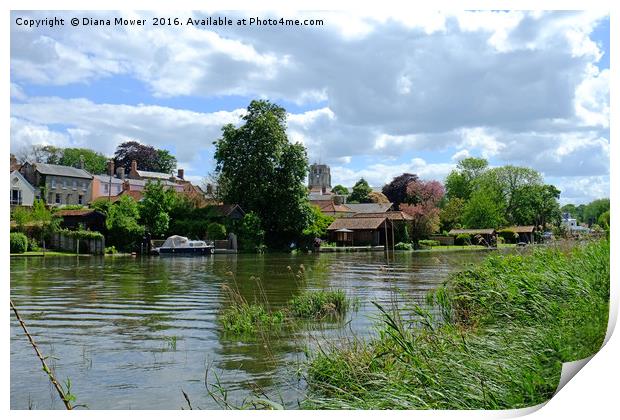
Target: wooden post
392	226
386	241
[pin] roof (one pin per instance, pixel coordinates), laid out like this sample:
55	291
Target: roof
335	208
521	229
392	215
370	207
313	196
472	231
226	209
23	180
158	175
357	223
61	170
81	212
136	195
106	179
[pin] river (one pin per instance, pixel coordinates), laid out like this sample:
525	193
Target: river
133	333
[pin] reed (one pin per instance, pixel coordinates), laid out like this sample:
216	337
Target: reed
493	337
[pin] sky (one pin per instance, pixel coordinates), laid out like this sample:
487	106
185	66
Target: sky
372	96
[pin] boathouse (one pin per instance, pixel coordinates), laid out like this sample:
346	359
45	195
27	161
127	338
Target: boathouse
361	231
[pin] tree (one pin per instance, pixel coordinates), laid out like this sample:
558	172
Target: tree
124	231
451	214
396	190
483	210
155	208
536	205
94	162
604	220
251	233
147	157
360	191
460	182
259	169
377	197
319	225
424	197
594	210
340	190
166	163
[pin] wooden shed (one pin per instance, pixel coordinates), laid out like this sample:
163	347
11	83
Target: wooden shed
525	233
487	237
88	219
359	231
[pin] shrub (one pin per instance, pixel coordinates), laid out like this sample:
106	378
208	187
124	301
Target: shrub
251	234
81	234
244	318
403	246
509	236
319	304
19	243
33	245
462	239
110	250
216	231
428	243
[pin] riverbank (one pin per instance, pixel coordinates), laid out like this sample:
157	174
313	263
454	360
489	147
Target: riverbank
64	254
502	331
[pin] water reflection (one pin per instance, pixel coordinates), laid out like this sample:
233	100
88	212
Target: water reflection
133	332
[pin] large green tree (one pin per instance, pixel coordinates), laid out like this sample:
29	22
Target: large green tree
259	169
124	231
482	210
147	157
155	208
462	181
360	192
594	210
94	162
537	205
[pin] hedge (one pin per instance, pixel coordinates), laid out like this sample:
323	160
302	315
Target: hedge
19	243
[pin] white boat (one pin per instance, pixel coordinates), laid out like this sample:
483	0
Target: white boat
180	245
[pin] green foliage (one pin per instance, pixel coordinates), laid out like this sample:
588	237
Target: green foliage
319	224
19	243
341	190
428	243
33	245
403	246
508	236
244	318
451	215
483	211
604	220
102	205
594	210
503	331
259	169
94	162
460	183
21	216
165	162
251	234
124	231
319	304
216	231
147	157
81	234
360	191
155	206
111	250
462	239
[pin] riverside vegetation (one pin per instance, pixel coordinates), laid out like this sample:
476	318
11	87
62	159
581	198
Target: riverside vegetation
495	338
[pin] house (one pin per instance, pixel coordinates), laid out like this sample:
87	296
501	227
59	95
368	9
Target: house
57	184
135	173
227	211
22	192
571	225
487	237
358	231
88	219
525	233
336	210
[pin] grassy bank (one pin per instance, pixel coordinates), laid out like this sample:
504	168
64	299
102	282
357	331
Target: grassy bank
498	336
49	254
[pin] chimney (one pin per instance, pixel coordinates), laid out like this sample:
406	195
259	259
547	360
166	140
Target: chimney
120	172
126	185
81	161
209	189
111	167
134	166
180	173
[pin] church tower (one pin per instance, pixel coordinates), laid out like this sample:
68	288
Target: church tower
319	178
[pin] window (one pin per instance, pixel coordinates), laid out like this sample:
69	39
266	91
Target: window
64	183
84	186
106	188
80	199
74	184
57	200
16	197
53	182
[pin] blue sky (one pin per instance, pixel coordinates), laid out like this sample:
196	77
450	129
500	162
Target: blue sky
372	97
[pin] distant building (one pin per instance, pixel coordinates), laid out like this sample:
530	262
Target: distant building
319	178
135	173
22	192
59	185
571	225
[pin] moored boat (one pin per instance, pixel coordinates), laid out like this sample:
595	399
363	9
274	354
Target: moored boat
180	245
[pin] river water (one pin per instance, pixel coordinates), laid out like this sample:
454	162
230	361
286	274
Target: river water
133	333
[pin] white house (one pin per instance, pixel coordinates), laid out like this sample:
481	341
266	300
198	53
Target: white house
22	192
571	224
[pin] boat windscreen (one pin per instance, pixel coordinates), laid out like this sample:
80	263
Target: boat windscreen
175	242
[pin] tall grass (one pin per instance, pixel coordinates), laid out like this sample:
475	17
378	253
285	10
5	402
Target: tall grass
495	339
319	304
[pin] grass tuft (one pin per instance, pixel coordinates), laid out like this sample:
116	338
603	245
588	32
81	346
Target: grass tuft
319	304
